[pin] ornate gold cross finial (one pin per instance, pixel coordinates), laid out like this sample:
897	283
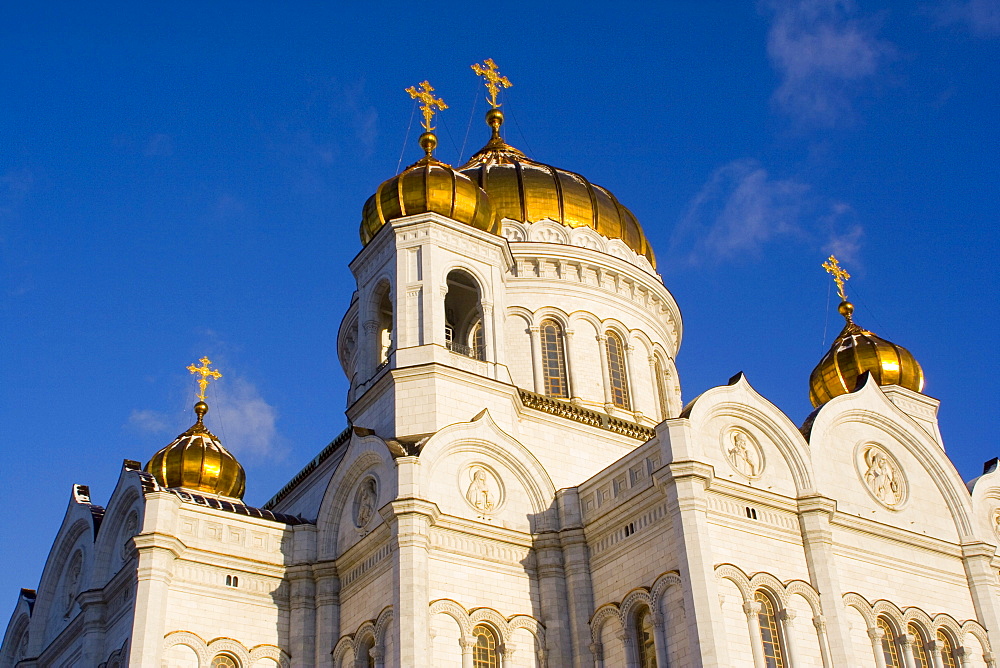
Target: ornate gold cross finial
488	71
206	373
424	94
840	276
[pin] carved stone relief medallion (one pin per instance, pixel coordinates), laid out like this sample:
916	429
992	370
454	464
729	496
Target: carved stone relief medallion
128	530
995	522
365	502
743	453
482	487
882	475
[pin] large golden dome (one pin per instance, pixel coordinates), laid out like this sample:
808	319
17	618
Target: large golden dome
528	191
428	186
856	351
196	461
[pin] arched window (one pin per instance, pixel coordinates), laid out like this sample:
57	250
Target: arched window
645	639
553	359
485	653
889	649
948	658
463	331
224	661
617	375
770	634
385	338
920	654
661	388
364	658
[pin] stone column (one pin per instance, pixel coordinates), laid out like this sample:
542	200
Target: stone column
597	651
787	618
817	540
571	374
327	617
552	596
876	634
934	651
507	660
467	646
378	655
628	645
752	611
602	352
92	608
905	643
661	401
372	346
490	354
659	638
976	558
536	358
960	653
302	618
152	591
410	519
990	660
576	564
824	643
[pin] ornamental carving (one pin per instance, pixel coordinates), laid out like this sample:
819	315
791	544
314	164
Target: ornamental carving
483	488
743	453
882	475
365	502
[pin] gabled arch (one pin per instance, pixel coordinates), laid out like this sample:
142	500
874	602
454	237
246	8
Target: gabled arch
482	435
607	613
125	500
741	402
856	407
364	454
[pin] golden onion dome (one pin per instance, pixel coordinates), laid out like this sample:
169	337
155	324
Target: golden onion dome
196	461
528	191
856	351
428	186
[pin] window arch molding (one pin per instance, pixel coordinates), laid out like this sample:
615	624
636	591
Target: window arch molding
947	646
919	640
889	641
482	281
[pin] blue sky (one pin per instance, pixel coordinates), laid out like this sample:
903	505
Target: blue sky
187	179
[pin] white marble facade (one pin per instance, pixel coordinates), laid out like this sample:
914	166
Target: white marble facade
463	497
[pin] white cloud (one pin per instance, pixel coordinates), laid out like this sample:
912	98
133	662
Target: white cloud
148	421
824	55
741	208
980	17
241	417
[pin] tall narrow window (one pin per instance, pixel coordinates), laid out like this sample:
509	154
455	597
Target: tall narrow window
384	327
889	649
616	371
646	642
920	654
661	388
553	359
477	341
770	635
948	659
484	652
463	331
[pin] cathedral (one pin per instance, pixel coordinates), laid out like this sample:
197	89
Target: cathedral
521	486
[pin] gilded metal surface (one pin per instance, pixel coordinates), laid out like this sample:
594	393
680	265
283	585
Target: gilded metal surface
196	461
425	95
206	373
494	81
855	351
528	191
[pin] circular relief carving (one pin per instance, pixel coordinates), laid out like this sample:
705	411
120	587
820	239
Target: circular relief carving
882	475
995	522
743	453
365	502
482	487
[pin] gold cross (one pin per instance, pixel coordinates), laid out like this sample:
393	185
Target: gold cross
429	102
488	70
206	373
840	276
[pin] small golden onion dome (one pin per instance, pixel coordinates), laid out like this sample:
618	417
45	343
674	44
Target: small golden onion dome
856	351
428	186
528	191
196	461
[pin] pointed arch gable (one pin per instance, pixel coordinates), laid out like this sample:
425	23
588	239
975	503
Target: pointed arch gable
364	453
482	434
740	401
870	406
